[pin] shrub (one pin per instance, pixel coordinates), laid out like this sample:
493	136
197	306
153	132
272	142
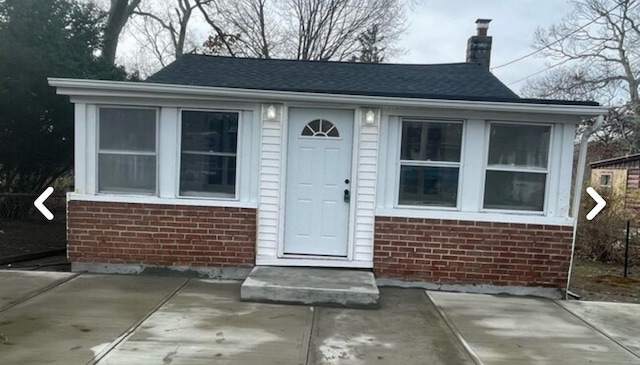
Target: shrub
603	238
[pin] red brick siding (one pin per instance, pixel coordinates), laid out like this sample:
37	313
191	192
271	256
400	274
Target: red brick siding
166	235
467	252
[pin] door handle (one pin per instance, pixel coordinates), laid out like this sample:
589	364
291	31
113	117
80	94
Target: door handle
347	195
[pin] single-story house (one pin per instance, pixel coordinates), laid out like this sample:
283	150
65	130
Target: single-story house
422	173
621	175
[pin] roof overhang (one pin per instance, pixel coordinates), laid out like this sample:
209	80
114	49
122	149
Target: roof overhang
80	89
615	160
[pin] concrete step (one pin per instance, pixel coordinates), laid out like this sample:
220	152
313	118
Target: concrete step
311	286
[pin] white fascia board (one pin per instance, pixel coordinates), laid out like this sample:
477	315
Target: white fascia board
96	88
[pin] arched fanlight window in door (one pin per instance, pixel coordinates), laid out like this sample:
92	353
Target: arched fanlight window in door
320	128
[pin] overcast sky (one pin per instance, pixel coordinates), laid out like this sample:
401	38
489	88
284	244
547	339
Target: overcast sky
439	29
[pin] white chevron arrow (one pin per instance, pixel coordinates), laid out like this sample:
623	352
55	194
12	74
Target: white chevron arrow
599	206
39	203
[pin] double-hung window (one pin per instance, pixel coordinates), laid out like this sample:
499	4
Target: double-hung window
517	167
430	163
208	153
127	150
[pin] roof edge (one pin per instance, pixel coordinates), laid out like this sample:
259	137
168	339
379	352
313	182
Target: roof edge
613	160
96	88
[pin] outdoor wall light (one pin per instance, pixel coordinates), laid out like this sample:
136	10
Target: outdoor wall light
370	117
271	112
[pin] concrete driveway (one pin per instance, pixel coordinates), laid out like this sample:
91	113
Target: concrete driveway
61	318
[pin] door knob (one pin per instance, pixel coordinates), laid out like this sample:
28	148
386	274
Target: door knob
347	195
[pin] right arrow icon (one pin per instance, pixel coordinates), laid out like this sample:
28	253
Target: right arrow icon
600	203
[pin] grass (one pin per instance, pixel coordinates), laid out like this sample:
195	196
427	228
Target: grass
605	282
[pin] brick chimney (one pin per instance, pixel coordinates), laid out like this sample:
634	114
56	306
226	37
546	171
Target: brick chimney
479	45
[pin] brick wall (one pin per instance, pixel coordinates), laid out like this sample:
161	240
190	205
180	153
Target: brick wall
467	252
165	235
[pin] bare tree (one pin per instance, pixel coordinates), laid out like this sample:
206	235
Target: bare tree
302	29
164	27
598	47
119	13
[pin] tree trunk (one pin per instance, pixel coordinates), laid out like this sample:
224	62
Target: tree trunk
119	13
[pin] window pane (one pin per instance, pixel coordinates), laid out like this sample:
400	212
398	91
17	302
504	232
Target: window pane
428	141
209	131
514	190
420	185
519	145
127	173
207	174
128	129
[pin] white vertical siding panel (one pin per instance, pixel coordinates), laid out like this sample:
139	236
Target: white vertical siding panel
254	165
565	169
269	194
91	149
80	152
553	177
367	167
472	165
168	149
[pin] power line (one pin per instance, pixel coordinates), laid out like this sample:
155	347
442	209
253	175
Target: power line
557	40
557	64
539	72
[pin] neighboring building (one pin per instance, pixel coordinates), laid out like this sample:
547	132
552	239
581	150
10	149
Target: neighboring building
621	175
430	173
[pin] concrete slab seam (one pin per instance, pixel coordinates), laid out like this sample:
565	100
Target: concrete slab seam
309	358
452	327
37	292
132	329
595	328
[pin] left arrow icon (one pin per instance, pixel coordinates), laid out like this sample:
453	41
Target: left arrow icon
39	203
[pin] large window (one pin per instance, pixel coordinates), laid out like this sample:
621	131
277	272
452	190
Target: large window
430	163
127	150
208	154
517	167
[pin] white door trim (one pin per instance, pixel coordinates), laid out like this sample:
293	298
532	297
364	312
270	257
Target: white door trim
310	260
316	217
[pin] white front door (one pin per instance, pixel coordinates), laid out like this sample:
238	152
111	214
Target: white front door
318	182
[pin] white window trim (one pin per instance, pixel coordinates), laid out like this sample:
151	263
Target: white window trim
472	178
400	162
98	151
547	171
212	196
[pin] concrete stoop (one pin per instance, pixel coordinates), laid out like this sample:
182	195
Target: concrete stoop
311	286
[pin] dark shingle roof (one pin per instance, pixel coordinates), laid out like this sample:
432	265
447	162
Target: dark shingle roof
457	81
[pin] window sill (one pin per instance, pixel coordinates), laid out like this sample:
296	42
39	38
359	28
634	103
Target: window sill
141	199
497	216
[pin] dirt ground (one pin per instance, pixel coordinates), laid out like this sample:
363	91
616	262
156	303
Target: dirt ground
31	236
596	281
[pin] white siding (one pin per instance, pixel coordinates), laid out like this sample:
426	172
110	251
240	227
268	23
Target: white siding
269	193
167	154
366	167
80	148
